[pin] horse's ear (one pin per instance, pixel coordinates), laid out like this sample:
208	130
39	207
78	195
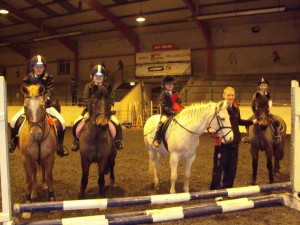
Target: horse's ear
41	90
24	89
95	88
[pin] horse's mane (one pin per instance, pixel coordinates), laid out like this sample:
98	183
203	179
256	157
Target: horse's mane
196	110
98	93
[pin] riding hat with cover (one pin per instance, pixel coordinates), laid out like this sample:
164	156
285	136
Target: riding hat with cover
263	81
167	79
38	60
98	70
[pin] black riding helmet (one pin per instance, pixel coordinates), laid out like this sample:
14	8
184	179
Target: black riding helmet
167	79
262	80
98	70
38	60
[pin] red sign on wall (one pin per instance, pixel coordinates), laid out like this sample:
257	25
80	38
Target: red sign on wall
162	47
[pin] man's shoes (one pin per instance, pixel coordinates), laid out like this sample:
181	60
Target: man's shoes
62	151
75	145
156	143
12	146
119	144
245	140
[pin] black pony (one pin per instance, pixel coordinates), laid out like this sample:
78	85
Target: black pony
261	136
96	143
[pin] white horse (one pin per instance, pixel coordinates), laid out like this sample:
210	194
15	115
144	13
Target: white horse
182	137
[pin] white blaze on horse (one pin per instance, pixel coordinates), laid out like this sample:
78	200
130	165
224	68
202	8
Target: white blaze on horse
182	137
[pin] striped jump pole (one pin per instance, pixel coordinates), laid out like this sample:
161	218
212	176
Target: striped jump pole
147	200
169	214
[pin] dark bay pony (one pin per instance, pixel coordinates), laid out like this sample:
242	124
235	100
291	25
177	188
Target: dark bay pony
261	136
37	141
96	143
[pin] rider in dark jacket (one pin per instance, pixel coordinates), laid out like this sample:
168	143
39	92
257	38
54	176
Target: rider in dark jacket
38	75
98	76
168	99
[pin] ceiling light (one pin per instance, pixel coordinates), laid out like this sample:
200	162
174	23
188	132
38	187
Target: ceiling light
241	13
74	33
3	9
140	18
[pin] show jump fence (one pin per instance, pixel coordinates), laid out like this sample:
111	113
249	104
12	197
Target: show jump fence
290	198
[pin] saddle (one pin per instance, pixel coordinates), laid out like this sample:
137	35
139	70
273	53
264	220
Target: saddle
51	120
112	128
164	131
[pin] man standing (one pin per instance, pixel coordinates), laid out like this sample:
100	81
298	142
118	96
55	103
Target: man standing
74	91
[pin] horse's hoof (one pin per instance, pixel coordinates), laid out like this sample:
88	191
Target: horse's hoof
33	195
186	190
44	187
253	182
26	215
81	196
172	191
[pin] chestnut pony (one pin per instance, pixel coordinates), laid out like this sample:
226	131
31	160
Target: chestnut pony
37	141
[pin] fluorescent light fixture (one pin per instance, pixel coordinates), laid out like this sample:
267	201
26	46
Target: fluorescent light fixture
140	18
3	44
74	33
132	83
3	9
241	13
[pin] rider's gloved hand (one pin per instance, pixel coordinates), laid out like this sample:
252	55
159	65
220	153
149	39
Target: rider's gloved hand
47	102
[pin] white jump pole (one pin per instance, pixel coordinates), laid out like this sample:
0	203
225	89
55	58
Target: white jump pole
6	214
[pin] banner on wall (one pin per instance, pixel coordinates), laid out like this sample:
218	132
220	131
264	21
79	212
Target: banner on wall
174	62
161	69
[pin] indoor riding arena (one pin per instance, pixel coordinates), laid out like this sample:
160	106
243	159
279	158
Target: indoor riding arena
102	69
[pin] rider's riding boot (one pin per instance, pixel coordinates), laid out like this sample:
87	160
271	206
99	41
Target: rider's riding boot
119	137
75	144
14	140
157	138
61	149
13	133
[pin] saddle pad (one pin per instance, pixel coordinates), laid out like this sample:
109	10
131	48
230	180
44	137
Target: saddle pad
112	129
79	127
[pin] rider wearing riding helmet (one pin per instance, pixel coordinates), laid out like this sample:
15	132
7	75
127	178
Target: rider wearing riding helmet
170	105
98	78
38	75
263	88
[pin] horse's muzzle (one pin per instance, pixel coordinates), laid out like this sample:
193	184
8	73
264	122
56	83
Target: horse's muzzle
263	124
36	133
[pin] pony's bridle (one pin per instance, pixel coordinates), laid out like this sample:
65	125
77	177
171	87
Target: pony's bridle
40	124
220	124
